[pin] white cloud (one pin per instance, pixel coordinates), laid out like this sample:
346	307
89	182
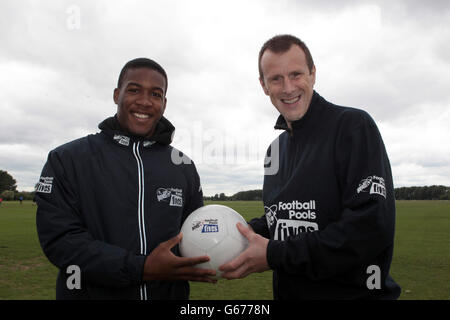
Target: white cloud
418	146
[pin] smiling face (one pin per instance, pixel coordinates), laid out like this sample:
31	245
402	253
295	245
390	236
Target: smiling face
288	82
140	101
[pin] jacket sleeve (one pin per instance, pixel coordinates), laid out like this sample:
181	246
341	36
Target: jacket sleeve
65	239
366	225
259	225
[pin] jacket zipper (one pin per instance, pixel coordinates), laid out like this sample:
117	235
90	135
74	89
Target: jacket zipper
142	235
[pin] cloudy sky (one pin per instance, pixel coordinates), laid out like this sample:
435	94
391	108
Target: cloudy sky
59	63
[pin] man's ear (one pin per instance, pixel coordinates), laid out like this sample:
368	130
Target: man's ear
116	95
261	81
164	105
313	74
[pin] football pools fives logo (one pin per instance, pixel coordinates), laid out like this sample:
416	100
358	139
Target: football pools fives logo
271	214
44	185
291	218
206	226
172	195
373	185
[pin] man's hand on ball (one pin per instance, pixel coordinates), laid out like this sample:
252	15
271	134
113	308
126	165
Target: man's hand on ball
162	264
253	259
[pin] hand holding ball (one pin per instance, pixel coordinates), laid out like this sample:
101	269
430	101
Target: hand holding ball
211	230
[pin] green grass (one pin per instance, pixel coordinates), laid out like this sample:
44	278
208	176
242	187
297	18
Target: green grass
25	272
421	263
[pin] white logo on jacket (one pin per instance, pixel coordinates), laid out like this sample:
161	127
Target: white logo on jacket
271	214
373	185
297	212
44	185
172	195
121	139
287	227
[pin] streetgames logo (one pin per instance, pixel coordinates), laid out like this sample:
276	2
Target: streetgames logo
123	140
207	225
147	144
271	214
373	185
44	185
172	195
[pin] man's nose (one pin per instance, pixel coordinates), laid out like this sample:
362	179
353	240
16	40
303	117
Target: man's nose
288	86
144	100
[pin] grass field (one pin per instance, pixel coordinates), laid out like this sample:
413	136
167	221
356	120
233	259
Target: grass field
421	263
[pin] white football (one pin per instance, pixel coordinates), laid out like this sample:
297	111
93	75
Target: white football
211	230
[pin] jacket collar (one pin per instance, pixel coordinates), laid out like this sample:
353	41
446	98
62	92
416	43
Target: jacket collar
281	123
163	134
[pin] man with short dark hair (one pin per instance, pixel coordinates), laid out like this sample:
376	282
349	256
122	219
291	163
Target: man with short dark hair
98	205
328	228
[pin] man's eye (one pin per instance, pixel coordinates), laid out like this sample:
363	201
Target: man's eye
276	79
132	90
156	94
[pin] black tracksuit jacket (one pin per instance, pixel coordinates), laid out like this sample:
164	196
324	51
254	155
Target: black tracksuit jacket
329	207
105	202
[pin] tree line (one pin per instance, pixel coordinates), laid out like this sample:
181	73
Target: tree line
242	195
8	191
434	192
423	193
8	188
